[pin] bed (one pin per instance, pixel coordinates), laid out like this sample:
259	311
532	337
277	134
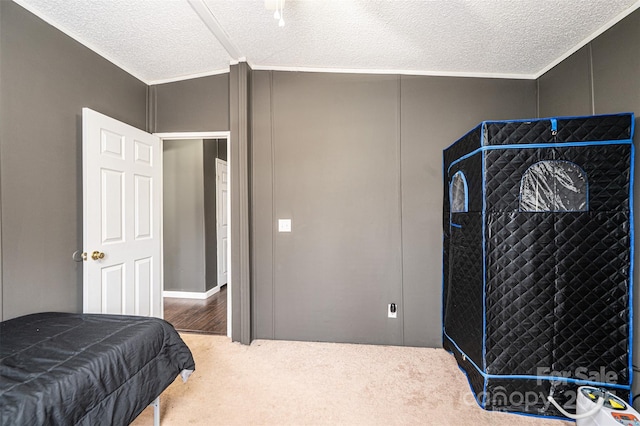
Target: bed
86	369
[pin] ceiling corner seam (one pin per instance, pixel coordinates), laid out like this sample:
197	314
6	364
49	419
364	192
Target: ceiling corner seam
211	22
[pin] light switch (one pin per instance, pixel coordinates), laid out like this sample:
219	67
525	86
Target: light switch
284	225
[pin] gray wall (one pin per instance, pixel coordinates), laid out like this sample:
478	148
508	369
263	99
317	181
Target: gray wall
46	79
195	105
183	210
612	86
1	113
356	162
436	111
566	88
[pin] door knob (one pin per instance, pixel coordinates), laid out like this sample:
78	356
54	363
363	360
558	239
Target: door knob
97	255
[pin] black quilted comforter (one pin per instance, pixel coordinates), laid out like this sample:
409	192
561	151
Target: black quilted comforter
67	369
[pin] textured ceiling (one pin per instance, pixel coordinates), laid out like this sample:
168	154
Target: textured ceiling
161	40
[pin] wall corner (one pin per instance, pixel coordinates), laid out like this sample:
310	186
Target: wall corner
239	116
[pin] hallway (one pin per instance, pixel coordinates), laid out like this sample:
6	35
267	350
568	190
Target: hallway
198	316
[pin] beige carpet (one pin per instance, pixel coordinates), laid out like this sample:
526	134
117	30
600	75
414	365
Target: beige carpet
301	383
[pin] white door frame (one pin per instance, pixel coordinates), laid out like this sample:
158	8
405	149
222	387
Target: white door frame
201	135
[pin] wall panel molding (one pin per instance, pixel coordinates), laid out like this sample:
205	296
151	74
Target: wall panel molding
239	92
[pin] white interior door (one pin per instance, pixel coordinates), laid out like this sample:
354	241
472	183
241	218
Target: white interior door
222	223
122	175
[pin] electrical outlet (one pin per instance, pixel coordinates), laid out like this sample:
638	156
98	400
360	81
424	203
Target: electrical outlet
392	310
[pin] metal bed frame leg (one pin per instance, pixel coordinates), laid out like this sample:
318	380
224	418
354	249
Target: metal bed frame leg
156	411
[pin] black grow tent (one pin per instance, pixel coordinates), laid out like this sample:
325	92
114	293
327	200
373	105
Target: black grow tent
538	251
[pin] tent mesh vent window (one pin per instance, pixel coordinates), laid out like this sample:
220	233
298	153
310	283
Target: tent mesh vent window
554	186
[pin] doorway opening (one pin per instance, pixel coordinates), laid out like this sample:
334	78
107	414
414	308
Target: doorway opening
196	249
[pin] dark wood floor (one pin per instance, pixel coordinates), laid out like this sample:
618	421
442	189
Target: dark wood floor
200	316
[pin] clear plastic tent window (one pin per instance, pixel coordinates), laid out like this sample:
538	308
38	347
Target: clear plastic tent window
458	193
554	186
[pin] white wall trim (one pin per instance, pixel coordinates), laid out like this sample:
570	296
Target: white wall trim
401	72
348	71
191	294
188	77
192	135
